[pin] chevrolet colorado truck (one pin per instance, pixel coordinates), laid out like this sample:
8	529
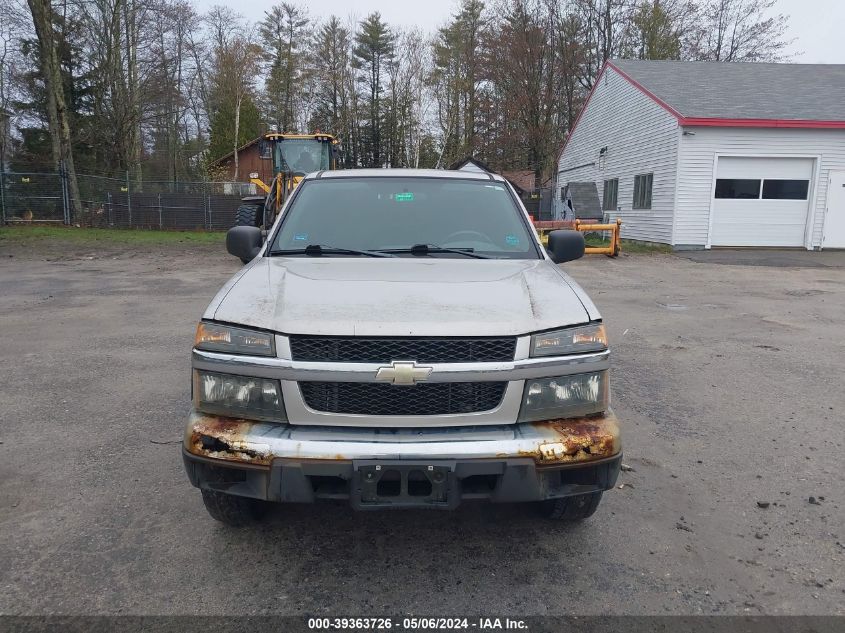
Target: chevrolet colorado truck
401	338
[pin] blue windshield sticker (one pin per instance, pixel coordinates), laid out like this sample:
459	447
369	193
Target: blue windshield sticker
511	240
403	197
300	237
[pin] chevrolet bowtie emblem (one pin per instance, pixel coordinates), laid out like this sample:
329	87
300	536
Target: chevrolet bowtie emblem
403	373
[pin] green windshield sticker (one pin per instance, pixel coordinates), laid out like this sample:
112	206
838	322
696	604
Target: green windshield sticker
403	197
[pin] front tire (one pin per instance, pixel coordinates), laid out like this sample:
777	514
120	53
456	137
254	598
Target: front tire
247	215
231	510
571	509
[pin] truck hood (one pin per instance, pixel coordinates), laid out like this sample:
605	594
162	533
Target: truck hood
401	297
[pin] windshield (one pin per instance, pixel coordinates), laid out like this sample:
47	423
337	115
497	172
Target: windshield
302	155
395	214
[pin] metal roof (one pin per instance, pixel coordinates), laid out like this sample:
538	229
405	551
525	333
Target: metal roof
585	199
741	90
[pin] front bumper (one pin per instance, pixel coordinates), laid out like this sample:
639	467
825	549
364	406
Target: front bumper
517	462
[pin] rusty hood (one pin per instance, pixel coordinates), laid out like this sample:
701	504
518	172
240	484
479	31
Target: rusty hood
401	297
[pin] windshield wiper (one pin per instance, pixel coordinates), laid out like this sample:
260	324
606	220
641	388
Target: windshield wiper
427	249
316	250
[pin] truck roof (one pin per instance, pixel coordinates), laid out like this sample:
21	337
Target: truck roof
406	173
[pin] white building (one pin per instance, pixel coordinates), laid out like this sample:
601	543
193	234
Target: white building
701	154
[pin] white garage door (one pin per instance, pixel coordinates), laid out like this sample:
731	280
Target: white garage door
761	201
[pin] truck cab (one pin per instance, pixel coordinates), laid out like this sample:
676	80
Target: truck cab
401	339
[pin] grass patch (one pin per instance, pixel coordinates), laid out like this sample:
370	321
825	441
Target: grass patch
33	233
23	234
634	246
628	246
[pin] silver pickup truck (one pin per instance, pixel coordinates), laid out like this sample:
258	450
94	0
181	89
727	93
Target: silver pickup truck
401	338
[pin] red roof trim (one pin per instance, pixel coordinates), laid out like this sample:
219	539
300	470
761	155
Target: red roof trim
581	113
723	122
647	92
634	83
699	121
787	123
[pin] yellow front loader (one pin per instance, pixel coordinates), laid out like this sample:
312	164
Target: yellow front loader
293	156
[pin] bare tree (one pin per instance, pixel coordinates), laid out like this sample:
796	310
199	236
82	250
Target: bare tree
416	62
12	28
114	32
570	52
147	85
741	31
605	33
57	111
168	71
527	82
235	57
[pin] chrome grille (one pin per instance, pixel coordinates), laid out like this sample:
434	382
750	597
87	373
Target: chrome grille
429	398
384	350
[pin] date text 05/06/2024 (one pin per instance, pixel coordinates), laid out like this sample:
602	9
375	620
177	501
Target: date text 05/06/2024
416	624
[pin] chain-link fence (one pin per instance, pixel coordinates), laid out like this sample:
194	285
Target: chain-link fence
26	196
119	202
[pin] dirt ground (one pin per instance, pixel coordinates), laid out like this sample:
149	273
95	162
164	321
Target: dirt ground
727	379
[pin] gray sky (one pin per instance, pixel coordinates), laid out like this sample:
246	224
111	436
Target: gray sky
816	24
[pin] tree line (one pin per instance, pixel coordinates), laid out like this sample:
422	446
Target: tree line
159	90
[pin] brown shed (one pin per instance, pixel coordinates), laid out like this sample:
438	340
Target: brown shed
249	161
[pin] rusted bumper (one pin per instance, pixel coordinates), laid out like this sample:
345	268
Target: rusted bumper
548	443
519	462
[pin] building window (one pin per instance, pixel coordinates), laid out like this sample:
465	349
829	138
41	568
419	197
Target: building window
642	191
737	188
610	194
785	189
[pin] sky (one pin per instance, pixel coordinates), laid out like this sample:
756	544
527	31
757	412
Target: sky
815	24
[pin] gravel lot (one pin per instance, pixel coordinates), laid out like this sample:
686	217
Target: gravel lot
728	380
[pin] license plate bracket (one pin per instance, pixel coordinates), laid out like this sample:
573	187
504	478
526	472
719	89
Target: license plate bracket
404	484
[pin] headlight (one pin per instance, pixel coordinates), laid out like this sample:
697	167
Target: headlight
239	396
564	396
212	337
575	340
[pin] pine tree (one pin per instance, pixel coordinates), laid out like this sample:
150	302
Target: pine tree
657	35
458	71
222	142
374	46
331	59
284	34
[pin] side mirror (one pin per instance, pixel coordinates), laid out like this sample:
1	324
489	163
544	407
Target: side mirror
564	246
244	242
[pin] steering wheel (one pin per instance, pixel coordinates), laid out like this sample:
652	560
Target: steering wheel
477	234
